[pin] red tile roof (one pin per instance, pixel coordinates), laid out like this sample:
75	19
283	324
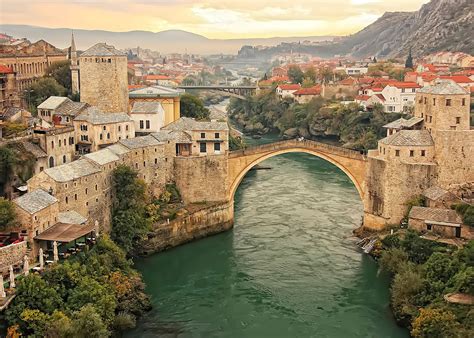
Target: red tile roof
405	85
457	78
362	97
5	70
289	86
316	90
348	82
157	77
380	96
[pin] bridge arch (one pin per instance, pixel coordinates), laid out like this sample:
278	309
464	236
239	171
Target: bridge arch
352	163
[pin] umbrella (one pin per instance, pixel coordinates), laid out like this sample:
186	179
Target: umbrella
41	259
12	277
55	251
2	289
26	266
96	226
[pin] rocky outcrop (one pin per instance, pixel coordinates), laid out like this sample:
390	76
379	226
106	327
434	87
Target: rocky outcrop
439	25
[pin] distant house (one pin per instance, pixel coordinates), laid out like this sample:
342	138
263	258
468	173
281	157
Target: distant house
60	110
399	96
304	95
287	90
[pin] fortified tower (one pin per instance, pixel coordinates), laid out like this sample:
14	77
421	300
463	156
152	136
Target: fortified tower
103	78
74	67
435	148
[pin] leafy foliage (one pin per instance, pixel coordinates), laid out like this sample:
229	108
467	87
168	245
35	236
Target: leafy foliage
467	213
42	89
295	74
82	297
193	106
435	323
7	214
60	71
129	221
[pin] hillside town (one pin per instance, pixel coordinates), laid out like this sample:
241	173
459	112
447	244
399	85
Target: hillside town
124	108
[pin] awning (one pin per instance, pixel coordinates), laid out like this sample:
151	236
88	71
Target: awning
61	232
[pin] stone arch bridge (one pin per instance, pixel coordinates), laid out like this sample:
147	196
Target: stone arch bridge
351	162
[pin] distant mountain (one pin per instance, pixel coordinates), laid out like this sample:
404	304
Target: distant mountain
438	25
171	41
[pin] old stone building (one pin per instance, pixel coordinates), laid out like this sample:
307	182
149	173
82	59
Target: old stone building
30	61
149	117
439	152
96	129
9	96
103	78
58	110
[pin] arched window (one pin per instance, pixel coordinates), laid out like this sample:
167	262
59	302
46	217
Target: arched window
64	158
51	162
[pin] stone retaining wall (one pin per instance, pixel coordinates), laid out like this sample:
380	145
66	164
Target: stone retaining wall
11	255
208	221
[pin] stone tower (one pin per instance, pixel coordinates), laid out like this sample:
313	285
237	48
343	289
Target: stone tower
74	67
103	78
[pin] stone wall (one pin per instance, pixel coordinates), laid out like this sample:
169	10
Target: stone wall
201	179
207	221
11	255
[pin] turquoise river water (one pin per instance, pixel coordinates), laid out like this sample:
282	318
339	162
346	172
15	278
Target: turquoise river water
289	268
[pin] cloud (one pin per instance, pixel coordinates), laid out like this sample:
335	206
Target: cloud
213	18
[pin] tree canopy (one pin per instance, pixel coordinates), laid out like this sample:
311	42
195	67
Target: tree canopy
42	89
193	106
295	74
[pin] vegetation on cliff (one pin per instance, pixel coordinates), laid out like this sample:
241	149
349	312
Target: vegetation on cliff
15	162
423	272
318	118
129	218
94	294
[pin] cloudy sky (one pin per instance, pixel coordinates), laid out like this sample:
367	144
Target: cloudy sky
212	18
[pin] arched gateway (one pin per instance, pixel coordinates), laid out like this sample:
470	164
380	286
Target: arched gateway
349	161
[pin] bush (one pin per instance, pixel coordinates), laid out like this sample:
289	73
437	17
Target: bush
407	284
435	323
7	214
393	261
192	106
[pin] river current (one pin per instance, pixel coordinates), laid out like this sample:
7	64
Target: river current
289	268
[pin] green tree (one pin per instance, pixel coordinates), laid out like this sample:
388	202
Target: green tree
307	83
32	293
192	106
129	222
463	281
61	72
311	74
295	74
7	214
59	326
42	89
435	323
406	287
393	260
88	324
409	60
7	163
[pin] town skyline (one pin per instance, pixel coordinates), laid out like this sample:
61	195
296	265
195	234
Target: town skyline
212	19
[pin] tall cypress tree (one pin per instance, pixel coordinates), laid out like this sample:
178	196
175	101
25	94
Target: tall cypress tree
409	61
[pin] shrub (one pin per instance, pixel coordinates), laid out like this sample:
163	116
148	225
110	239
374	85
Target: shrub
435	323
393	260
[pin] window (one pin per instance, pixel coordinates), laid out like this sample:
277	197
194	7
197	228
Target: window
463	102
397	152
96	187
434	102
104	128
428	226
147	124
119	128
202	147
156	161
431	119
458	120
60	143
203	135
423	153
216	135
108	136
448	102
126	128
425	100
52	144
66	200
141	124
412	153
86	191
75	197
217	146
100	136
64	158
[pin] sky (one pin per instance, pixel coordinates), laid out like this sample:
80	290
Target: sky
211	18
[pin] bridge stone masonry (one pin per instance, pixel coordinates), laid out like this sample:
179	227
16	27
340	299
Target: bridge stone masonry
351	162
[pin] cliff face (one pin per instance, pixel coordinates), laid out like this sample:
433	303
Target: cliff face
438	25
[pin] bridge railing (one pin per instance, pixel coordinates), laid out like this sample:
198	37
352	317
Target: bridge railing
295	143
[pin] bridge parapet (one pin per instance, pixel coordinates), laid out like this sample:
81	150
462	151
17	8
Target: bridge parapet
294	143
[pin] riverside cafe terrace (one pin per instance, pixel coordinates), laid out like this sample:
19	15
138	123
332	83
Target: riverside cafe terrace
70	235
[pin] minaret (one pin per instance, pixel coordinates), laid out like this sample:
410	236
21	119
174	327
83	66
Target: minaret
74	67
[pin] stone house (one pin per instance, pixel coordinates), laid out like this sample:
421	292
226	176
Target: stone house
208	138
443	222
8	88
304	95
437	197
59	110
58	143
37	211
400	124
149	117
96	129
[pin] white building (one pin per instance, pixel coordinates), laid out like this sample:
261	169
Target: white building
399	96
287	90
148	116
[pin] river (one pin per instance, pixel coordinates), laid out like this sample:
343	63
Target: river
289	268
